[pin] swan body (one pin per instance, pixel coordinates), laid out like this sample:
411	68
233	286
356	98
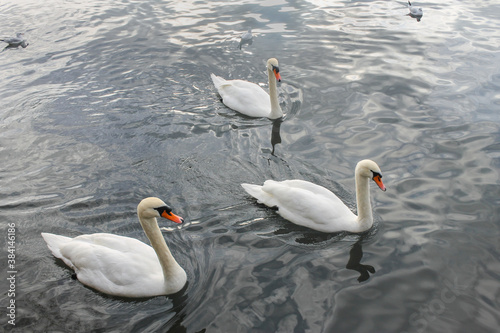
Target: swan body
316	207
415	11
249	98
124	266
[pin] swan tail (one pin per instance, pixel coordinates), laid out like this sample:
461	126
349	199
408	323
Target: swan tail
55	243
217	80
257	192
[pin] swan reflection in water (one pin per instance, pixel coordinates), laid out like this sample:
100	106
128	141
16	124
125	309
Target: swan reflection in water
355	254
355	264
275	133
310	237
275	138
179	303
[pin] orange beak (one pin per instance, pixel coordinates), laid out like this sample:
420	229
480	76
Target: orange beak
378	180
172	217
277	74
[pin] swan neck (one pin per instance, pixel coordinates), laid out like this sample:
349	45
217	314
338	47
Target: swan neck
153	232
365	215
273	95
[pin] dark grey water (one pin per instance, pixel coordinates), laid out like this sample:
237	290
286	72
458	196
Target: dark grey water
112	102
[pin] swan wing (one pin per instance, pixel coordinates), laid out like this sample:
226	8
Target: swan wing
243	96
110	263
55	243
305	204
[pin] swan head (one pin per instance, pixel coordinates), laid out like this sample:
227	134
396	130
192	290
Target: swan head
154	207
273	66
370	169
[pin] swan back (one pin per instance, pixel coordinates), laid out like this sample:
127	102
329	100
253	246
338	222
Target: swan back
305	204
245	97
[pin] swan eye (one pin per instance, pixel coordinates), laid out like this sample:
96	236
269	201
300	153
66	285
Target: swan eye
377	178
276	72
166	212
165	209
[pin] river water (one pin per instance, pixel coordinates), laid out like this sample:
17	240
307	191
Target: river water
112	102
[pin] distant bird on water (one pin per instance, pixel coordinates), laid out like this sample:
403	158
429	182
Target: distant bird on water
415	12
246	38
15	41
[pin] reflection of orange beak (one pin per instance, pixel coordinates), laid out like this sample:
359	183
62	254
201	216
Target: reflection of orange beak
172	217
277	74
378	180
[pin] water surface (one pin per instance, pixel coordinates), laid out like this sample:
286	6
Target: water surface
112	102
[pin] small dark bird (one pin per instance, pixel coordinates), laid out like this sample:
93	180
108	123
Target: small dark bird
246	38
15	41
415	12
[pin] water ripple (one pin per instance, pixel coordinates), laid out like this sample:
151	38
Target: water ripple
111	103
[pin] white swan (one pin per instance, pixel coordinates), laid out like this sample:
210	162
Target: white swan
315	207
123	266
249	98
414	11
